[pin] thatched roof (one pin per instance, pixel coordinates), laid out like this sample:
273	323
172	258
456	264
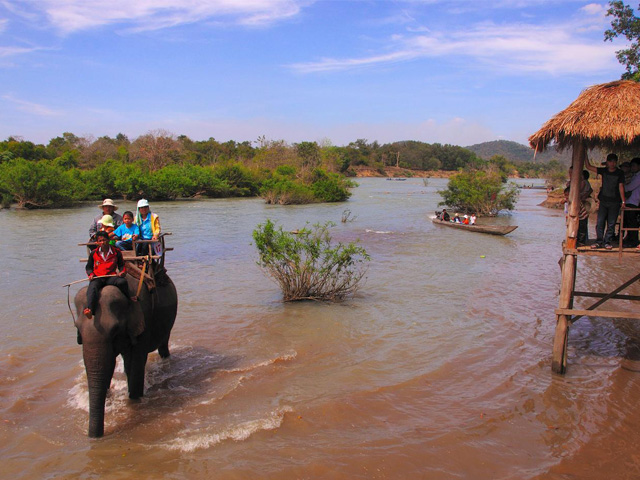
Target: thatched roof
606	116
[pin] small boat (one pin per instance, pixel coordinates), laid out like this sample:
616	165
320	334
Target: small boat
490	229
532	187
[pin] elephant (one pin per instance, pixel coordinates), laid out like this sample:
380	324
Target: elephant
122	327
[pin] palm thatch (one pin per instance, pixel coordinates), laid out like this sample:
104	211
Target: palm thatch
605	116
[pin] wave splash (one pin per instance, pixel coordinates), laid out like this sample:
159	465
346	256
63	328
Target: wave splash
190	442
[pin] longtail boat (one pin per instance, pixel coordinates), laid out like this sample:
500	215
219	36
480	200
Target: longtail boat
490	229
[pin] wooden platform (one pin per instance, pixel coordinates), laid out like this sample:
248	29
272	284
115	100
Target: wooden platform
602	252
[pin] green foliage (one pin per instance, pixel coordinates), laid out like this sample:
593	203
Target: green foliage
242	182
102	181
280	190
174	181
556	178
306	265
330	187
309	153
503	166
24	149
625	23
40	184
479	191
286	170
68	159
132	181
284	188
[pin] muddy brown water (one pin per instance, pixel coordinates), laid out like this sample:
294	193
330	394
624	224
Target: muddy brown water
439	368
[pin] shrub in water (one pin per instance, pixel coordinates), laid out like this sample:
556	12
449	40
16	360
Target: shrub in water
306	265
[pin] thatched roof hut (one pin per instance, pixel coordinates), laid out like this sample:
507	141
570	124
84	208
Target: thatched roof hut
605	116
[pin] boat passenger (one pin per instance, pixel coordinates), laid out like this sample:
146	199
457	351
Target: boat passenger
444	216
465	220
456	218
108	208
472	219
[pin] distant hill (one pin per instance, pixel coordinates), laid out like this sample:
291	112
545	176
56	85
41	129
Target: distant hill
517	152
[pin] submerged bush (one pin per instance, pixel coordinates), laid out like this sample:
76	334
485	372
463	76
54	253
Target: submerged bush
286	191
306	265
330	187
284	188
241	181
479	191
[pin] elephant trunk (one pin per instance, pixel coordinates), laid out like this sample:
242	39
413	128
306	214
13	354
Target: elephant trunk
99	362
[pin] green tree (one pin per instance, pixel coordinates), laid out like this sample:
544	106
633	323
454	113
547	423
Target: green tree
308	153
307	265
625	23
40	184
330	187
502	165
479	191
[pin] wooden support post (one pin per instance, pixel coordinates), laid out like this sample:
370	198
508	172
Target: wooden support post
577	162
559	357
569	263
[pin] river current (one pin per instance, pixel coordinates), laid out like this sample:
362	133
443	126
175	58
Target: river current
439	368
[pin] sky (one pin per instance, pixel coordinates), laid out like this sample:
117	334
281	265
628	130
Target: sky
455	72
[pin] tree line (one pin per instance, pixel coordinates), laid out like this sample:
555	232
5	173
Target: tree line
163	166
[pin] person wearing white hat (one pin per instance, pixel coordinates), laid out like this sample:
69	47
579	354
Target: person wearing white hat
149	224
108	208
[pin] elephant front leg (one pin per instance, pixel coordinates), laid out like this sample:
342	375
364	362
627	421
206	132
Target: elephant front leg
163	350
134	366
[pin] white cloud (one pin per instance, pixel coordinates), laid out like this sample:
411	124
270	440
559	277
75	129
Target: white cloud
594	9
10	51
30	107
553	49
74	15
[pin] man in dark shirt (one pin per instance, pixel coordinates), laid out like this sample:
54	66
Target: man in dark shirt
611	197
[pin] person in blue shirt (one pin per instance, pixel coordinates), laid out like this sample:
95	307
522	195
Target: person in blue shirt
127	233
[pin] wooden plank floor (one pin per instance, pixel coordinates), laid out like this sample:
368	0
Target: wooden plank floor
615	251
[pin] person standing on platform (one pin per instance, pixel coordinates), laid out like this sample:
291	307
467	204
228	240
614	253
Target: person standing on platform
632	190
611	197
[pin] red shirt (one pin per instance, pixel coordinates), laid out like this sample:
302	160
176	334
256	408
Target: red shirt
107	265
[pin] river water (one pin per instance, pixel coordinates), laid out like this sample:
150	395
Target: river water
439	368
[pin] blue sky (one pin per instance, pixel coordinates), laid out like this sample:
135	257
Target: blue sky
455	71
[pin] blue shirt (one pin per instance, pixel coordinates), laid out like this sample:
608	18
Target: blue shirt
124	233
145	228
